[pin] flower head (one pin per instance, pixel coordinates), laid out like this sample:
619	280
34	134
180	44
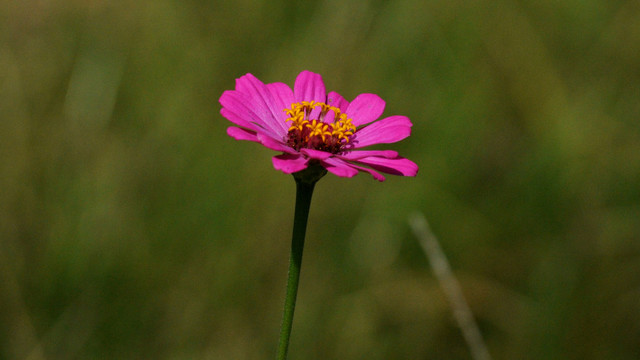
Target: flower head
312	127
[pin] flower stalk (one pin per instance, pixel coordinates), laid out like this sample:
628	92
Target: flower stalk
305	182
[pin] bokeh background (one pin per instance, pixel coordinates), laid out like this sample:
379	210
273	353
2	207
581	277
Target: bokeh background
133	227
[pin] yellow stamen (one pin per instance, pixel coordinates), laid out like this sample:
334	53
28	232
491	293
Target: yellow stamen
341	128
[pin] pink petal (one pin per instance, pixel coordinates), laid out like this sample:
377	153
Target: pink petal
265	140
335	99
309	86
227	100
242	134
376	175
283	97
388	130
260	94
243	110
398	166
347	169
316	154
355	155
274	144
234	118
289	163
339	167
365	108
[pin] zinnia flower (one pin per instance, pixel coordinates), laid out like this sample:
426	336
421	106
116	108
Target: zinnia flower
312	127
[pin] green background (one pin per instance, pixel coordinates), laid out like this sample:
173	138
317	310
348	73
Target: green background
133	227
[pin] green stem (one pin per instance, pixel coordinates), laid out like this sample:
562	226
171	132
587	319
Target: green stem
304	191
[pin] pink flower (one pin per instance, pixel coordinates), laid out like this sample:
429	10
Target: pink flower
311	127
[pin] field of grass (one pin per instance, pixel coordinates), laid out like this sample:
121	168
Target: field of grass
133	227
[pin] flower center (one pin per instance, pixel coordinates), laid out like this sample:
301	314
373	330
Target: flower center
318	126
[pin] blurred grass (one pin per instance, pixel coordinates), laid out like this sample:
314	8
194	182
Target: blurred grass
132	227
